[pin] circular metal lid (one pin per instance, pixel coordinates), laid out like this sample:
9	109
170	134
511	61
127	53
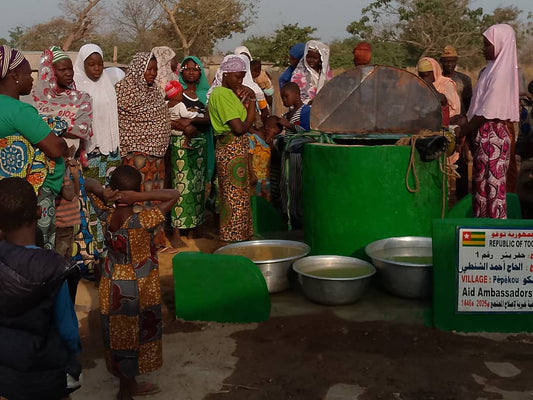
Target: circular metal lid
376	99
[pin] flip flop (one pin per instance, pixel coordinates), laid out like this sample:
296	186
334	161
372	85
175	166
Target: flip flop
145	388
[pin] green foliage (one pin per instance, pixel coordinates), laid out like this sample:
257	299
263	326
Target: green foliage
383	53
276	47
41	36
404	30
203	22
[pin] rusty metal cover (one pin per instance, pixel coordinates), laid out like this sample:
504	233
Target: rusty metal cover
376	99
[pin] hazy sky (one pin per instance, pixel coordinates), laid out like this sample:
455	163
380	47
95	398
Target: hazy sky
329	17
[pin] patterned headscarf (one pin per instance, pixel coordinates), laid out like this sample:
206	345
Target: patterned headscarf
308	80
49	99
58	54
164	55
232	64
9	60
143	117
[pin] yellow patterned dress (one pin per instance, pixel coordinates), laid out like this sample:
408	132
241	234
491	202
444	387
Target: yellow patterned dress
130	294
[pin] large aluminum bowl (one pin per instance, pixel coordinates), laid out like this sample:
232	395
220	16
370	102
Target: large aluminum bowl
333	280
404	264
273	258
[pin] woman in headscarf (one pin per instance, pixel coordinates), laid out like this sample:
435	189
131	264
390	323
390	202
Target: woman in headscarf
262	104
24	136
232	112
143	120
494	103
446	86
313	70
56	98
102	148
144	125
191	166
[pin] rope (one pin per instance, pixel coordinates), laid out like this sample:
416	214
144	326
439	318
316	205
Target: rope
446	168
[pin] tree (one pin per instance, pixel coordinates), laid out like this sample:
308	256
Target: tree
41	36
69	31
383	53
424	27
83	15
276	47
198	24
138	19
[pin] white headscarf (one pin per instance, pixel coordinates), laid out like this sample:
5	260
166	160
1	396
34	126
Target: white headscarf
243	50
115	74
496	92
105	114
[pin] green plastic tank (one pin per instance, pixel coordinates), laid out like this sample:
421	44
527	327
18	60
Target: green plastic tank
356	192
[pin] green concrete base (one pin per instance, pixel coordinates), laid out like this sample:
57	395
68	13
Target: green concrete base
213	287
354	195
445	252
266	218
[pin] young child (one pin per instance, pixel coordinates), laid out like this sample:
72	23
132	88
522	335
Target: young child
130	295
295	121
38	325
262	79
259	160
68	214
297	118
174	94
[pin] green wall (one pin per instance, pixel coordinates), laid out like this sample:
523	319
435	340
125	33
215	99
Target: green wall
445	286
354	195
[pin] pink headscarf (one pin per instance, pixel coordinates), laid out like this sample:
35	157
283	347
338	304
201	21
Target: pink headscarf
446	86
496	92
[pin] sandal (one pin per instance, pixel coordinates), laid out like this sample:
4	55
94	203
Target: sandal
145	388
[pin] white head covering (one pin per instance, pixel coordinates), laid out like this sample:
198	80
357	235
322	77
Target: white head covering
309	80
105	114
115	74
496	92
247	81
243	50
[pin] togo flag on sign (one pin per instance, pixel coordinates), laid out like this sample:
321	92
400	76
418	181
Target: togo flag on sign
473	239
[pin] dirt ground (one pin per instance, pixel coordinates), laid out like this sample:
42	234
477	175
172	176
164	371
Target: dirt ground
378	348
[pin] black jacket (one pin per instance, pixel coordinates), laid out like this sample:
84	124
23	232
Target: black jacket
33	357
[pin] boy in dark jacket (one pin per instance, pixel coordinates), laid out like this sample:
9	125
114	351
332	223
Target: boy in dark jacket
38	325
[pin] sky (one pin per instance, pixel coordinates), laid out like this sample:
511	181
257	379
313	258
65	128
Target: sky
329	17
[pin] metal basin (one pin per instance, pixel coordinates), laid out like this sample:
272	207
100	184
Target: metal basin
273	258
404	264
333	280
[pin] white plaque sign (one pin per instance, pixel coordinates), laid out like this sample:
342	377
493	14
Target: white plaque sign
494	270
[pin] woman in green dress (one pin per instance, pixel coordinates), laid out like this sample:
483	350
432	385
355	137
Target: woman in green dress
192	164
232	112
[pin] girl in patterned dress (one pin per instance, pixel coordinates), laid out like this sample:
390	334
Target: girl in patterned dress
130	295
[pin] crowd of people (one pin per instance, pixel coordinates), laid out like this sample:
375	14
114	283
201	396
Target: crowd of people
107	168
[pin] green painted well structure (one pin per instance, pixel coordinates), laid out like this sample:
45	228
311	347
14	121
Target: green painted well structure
355	192
354	195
